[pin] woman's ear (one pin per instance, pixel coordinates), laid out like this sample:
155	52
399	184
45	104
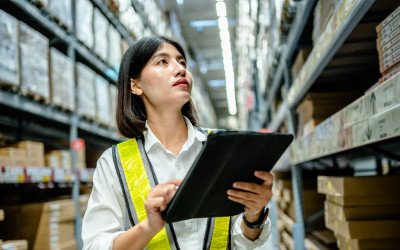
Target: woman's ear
135	87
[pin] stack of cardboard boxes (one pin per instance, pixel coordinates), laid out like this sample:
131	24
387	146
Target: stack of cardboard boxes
316	107
388	45
323	12
363	212
59	159
45	226
313	203
24	153
14	245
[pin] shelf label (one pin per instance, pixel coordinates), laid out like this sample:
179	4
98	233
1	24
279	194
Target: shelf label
13	175
21	179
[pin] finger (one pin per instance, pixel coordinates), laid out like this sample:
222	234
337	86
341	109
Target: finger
156	204
265	176
249	204
176	182
162	190
261	199
250	187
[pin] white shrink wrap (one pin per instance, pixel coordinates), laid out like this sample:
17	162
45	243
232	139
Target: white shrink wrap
9	65
102	101
100	27
114	52
34	57
62	82
84	22
113	104
86	91
62	10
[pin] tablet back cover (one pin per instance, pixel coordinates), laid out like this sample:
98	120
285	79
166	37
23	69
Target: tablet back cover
226	157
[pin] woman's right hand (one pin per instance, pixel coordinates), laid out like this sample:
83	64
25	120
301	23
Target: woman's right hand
157	201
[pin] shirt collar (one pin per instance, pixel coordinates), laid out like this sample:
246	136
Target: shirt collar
193	133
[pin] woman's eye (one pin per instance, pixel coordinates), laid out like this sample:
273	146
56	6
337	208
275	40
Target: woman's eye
183	63
162	61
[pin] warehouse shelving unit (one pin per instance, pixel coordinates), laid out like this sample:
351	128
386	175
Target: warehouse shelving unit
320	68
61	122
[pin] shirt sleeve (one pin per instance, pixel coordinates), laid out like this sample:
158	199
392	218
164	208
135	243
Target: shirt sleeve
106	216
241	242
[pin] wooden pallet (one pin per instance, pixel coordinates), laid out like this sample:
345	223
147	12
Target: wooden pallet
62	108
39	4
34	96
59	22
8	86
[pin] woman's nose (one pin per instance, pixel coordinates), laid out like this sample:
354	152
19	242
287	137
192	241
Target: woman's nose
179	69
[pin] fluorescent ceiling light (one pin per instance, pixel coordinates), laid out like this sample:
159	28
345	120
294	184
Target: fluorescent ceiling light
227	56
221	9
179	2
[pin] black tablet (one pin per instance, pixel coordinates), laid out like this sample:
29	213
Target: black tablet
226	157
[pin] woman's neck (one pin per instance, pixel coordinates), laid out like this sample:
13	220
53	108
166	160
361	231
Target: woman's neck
170	128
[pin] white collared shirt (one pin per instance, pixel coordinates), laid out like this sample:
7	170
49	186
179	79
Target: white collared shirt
106	216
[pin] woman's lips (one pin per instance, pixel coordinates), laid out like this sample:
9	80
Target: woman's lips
182	83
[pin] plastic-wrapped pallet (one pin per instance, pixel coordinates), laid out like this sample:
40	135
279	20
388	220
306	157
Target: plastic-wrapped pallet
114	52
62	80
113	104
103	101
100	25
84	20
9	66
62	10
34	56
86	92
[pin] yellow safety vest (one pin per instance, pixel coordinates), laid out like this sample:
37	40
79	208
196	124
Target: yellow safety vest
137	177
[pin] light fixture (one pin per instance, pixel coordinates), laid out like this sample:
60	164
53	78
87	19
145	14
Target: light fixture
179	2
223	26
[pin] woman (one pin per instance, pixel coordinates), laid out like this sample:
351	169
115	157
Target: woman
154	108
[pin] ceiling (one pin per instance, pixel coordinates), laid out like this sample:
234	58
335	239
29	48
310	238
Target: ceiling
199	26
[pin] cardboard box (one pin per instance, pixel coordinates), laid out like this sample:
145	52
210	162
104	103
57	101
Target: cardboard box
356	186
53	235
34	152
388	19
103	114
356	244
301	58
13	152
325	236
288	240
287	222
100	28
62	10
364	229
362	213
311	243
59	159
14	245
114	52
372	200
9	53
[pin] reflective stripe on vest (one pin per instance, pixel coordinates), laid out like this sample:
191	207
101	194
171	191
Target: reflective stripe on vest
137	182
139	186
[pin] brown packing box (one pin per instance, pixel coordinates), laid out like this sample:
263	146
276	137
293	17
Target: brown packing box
356	244
14	245
364	229
52	235
301	58
1	214
311	243
70	245
34	152
325	236
15	153
288	240
370	200
362	213
287	222
60	211
388	19
355	186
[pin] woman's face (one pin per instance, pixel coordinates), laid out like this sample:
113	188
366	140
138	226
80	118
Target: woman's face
164	82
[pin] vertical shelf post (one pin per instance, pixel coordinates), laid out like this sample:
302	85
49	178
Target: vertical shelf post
298	226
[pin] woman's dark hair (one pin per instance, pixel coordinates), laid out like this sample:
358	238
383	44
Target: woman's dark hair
131	114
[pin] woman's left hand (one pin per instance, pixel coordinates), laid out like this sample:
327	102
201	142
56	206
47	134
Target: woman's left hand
253	196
